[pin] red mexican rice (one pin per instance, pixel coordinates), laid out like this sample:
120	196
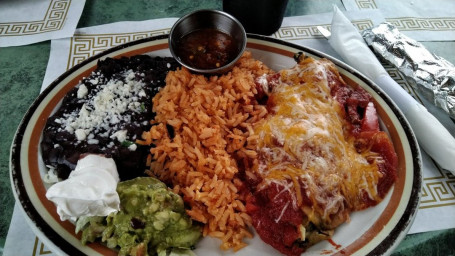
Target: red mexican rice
203	134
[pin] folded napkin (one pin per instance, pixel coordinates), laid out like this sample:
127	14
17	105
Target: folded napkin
30	21
433	137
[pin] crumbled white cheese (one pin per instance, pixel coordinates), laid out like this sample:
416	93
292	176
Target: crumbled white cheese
132	147
80	134
69	129
102	113
134	106
94	81
114	120
93	141
120	135
131	75
82	91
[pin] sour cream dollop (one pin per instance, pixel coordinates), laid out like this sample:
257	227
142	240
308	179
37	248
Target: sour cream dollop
90	189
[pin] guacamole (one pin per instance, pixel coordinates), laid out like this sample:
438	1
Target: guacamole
151	220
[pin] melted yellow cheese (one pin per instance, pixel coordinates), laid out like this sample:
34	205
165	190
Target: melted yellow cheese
304	143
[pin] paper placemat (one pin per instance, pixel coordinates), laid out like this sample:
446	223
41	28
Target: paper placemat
30	21
86	42
437	207
421	20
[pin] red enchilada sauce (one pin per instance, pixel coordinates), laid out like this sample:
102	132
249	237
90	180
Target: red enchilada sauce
275	219
363	118
206	49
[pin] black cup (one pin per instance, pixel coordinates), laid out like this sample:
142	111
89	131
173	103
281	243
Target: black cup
257	16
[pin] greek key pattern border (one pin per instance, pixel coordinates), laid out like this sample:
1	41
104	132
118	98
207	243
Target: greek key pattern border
39	248
311	32
53	20
82	46
413	23
366	4
437	191
432	24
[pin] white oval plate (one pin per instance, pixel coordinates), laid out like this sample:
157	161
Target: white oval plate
375	231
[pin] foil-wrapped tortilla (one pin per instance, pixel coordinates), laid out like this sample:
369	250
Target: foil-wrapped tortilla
434	76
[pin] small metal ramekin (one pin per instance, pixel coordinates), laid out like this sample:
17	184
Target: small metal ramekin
202	19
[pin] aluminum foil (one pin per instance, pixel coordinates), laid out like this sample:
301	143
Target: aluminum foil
432	75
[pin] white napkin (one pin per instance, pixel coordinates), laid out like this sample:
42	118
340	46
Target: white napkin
431	134
30	21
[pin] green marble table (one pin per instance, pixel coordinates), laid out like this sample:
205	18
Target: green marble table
22	69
